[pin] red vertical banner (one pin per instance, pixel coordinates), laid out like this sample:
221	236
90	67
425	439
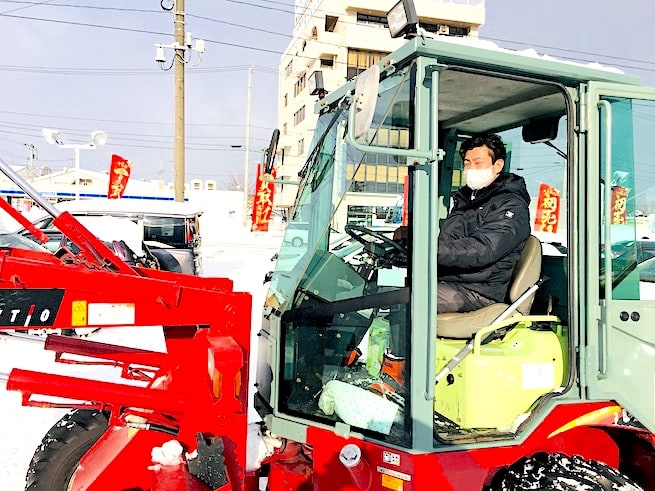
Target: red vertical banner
119	173
405	200
619	208
263	203
548	206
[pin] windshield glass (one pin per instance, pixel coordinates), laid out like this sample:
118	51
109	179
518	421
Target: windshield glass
335	168
340	282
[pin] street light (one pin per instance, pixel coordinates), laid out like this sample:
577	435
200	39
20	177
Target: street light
54	137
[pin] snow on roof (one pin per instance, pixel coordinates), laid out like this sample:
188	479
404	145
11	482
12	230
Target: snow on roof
108	229
131	207
530	52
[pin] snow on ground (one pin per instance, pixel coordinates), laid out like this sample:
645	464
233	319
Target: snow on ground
241	256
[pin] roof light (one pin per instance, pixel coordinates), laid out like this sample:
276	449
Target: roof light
402	19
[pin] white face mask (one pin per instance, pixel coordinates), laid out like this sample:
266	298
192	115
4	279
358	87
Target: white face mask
478	178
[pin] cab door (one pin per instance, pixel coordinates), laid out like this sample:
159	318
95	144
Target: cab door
617	197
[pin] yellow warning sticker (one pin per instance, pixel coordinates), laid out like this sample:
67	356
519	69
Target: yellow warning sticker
79	316
391	482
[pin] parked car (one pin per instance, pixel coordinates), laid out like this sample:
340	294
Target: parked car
9	239
296	233
167	230
121	235
644	249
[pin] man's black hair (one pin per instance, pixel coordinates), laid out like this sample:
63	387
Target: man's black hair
492	141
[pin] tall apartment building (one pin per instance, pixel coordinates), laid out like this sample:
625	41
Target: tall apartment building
339	39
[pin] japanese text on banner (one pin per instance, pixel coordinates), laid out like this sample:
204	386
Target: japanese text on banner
119	173
263	203
548	204
619	202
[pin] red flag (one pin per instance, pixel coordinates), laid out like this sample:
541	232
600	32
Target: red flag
119	173
619	202
547	216
263	202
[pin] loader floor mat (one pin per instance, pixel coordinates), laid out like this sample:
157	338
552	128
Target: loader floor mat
209	464
446	430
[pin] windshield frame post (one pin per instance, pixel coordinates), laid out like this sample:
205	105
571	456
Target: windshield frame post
425	228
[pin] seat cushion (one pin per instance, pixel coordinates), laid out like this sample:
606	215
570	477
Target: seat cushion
463	325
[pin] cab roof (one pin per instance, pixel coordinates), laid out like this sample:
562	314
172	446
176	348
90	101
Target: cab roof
474	96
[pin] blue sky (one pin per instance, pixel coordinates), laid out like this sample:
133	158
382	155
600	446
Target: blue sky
85	65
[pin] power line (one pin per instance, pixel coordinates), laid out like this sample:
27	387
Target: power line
125	71
150	123
266	50
266	7
50	3
121	141
32	4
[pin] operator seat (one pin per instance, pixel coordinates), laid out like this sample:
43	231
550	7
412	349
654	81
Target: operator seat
464	325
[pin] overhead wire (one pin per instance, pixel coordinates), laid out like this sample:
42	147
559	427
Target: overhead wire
132	122
138	72
268	7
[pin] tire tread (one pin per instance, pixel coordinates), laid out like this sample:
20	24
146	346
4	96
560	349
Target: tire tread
56	457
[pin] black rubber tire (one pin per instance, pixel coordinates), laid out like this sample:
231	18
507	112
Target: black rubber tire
166	261
559	472
57	457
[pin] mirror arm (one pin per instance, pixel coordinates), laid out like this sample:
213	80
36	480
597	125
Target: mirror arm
267	178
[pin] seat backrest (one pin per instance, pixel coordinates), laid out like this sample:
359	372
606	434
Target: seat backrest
526	273
464	325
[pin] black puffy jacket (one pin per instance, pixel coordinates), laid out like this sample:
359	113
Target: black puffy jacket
482	238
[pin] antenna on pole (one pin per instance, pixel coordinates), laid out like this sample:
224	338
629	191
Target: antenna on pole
30	159
246	164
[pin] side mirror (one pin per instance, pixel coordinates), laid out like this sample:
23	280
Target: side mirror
271	151
365	100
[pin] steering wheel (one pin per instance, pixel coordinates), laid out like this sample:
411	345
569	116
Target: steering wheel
378	245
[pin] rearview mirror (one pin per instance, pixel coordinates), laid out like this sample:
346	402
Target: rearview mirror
540	130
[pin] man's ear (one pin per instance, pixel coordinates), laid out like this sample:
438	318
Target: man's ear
499	163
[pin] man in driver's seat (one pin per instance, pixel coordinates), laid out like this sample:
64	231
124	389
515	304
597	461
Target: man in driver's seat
483	235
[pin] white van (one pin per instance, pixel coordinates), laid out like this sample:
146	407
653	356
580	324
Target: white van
169	229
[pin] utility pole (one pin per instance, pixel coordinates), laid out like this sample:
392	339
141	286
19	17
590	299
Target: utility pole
247	163
179	169
30	167
183	42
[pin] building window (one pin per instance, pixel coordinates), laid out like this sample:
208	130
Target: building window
300	84
330	23
288	69
301	147
327	62
372	20
360	60
380	174
299	116
284	129
446	29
